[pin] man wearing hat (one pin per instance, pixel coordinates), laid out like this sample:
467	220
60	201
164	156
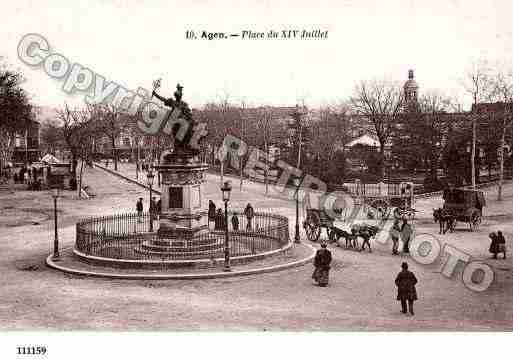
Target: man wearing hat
406	292
322	265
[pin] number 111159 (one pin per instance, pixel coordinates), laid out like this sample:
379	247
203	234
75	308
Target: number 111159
31	350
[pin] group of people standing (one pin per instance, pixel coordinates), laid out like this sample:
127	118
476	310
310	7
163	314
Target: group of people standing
25	175
155	207
217	216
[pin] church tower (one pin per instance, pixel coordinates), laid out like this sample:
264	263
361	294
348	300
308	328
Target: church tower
411	89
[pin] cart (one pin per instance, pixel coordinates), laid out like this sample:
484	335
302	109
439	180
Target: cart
465	205
381	199
315	221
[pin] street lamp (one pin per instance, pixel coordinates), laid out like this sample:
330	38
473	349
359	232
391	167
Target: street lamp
297	182
55	195
226	190
149	178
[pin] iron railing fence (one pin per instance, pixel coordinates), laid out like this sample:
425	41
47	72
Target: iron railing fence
126	236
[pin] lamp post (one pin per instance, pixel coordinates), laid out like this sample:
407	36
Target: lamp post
149	178
226	190
55	195
297	182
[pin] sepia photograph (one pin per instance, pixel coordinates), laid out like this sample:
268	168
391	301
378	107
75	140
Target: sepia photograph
276	175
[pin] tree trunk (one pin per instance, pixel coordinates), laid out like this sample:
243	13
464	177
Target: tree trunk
266	179
222	171
137	161
473	155
382	162
80	179
114	154
241	175
73	164
501	161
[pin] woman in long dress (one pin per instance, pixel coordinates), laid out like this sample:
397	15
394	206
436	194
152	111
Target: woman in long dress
322	263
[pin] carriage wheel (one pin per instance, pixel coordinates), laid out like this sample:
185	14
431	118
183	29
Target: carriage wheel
475	220
331	235
313	232
380	209
410	214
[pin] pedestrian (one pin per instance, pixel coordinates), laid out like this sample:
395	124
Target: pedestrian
218	220
395	233
139	208
501	244
153	208
366	236
235	222
322	263
406	232
106	163
406	291
159	207
153	205
21	177
494	246
249	212
211	212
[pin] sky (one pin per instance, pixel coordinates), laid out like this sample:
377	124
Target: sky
134	42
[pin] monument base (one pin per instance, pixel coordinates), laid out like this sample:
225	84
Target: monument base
182	235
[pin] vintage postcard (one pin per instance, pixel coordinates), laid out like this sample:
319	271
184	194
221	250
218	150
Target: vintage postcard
265	174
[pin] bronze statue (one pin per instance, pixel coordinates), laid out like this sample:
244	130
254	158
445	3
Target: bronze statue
182	136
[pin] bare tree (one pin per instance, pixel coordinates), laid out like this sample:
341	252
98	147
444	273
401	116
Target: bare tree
380	102
15	111
112	122
78	130
51	137
429	128
329	135
502	87
242	136
477	84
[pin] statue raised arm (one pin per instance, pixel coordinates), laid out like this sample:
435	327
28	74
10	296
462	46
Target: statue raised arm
182	142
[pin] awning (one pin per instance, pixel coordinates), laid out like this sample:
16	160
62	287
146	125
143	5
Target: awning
50	159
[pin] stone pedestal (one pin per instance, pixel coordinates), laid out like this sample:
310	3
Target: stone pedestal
182	228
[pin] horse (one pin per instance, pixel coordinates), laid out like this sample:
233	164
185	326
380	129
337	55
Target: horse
337	233
366	232
445	218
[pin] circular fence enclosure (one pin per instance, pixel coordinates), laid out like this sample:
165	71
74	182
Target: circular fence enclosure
119	241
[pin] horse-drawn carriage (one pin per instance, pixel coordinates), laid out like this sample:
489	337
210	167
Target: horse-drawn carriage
317	219
463	205
376	199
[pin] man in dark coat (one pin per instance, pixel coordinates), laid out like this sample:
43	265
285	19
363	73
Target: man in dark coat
406	292
501	243
159	206
235	222
139	208
322	262
249	212
211	211
219	220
